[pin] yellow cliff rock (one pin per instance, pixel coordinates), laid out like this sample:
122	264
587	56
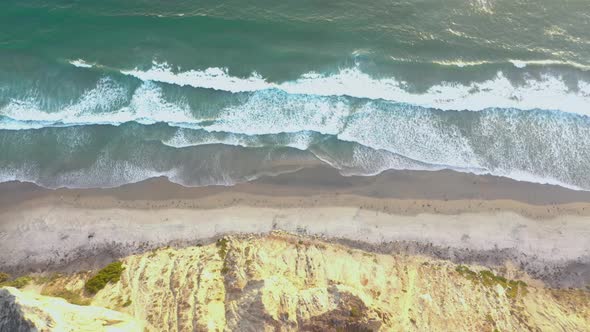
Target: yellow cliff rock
282	282
27	311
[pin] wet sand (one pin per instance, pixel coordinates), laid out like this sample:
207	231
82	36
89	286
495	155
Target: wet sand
543	229
395	192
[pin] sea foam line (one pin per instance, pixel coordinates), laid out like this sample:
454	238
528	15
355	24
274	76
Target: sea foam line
548	92
81	63
518	63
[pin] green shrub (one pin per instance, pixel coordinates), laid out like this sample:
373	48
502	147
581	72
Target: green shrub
489	279
4	277
222	247
110	273
222	251
466	272
516	287
19	282
71	297
127	303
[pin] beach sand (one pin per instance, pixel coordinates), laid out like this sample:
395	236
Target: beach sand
542	229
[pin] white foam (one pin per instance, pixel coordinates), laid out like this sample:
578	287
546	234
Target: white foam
108	172
100	105
28	173
80	63
415	135
401	129
11	124
548	92
461	63
518	63
482	6
525	176
366	161
188	138
210	78
542	148
525	63
300	141
274	112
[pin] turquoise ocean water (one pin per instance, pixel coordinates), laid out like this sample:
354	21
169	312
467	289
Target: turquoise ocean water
103	93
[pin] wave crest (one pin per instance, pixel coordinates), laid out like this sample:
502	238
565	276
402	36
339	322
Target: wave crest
547	92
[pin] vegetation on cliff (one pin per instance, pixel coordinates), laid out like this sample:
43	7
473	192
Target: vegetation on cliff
489	279
68	295
110	273
19	282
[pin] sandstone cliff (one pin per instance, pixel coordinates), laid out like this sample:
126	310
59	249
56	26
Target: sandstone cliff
26	311
282	282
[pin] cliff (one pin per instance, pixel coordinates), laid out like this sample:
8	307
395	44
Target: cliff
282	282
27	311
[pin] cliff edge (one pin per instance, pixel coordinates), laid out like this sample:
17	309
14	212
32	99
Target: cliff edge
282	282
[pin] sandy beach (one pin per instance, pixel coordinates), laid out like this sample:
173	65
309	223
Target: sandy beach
542	229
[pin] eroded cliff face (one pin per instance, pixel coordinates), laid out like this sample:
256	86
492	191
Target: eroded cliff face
282	282
27	311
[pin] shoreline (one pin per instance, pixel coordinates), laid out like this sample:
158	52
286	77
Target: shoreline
459	217
394	192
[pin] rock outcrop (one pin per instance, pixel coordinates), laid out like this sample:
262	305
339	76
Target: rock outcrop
282	282
27	311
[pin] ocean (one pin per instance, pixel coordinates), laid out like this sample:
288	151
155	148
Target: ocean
105	93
